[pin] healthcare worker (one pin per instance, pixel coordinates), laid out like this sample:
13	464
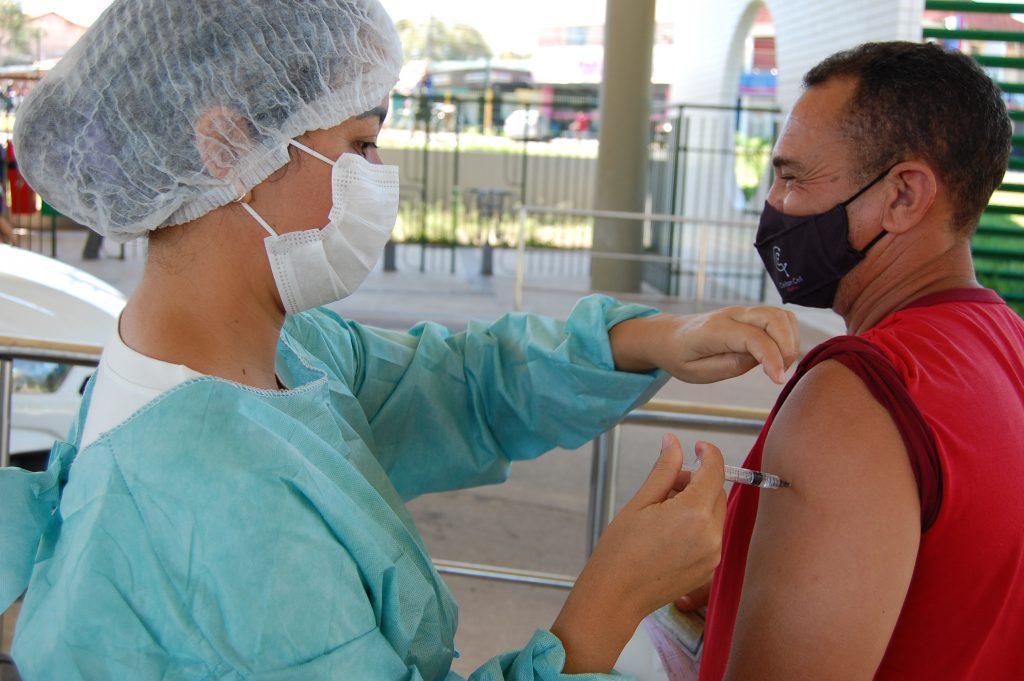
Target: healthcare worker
230	503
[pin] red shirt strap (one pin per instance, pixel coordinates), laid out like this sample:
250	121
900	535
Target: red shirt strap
886	385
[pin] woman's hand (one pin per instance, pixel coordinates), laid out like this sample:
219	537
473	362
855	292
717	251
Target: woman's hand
663	544
709	347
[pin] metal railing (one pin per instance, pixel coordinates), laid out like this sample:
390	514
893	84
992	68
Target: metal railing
735	273
604	464
12	348
603	472
657	413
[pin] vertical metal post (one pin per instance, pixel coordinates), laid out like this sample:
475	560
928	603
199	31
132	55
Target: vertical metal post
680	209
524	169
487	256
702	265
456	183
603	468
6	389
517	294
675	265
425	192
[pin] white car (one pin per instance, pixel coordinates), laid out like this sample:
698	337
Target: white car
527	124
43	298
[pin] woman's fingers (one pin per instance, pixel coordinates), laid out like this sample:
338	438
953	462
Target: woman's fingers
772	338
729	342
663	476
696	599
706	484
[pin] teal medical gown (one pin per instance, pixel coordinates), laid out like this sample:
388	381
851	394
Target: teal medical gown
224	532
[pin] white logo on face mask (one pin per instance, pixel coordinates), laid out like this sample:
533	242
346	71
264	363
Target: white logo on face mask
789	283
779	265
319	266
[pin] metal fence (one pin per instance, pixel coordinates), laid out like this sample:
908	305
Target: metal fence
462	189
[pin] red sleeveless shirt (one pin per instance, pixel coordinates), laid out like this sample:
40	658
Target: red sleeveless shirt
950	370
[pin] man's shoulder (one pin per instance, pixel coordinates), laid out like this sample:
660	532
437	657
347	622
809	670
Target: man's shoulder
831	407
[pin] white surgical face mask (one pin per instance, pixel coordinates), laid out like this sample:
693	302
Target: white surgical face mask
319	266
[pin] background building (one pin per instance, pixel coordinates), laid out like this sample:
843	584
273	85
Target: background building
53	35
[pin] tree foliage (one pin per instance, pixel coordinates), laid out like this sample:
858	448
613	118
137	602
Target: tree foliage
436	41
752	155
15	34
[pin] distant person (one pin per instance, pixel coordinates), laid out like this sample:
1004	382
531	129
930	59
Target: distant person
580	125
899	552
7	232
231	501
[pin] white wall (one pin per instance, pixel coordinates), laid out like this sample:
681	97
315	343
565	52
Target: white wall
710	35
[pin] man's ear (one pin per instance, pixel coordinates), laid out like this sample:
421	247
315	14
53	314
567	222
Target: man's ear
221	138
913	189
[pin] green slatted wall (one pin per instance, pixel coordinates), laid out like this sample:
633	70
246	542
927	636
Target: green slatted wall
999	244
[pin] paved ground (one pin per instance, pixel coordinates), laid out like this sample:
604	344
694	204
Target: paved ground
537	519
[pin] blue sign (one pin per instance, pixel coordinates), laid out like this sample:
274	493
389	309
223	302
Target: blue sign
758	83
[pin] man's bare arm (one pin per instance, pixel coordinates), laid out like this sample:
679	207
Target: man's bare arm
831	559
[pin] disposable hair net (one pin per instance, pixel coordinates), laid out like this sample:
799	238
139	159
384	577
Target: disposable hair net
111	136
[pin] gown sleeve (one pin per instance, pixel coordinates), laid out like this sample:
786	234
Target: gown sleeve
541	660
452	410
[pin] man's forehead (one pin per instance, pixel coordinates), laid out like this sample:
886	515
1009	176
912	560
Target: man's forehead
812	133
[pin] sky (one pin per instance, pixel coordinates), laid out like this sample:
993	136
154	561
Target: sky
510	25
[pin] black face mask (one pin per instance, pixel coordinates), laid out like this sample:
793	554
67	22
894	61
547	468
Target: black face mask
807	255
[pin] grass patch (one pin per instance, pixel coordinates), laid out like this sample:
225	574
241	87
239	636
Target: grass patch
438	225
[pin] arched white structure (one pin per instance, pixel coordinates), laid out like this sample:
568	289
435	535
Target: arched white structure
710	35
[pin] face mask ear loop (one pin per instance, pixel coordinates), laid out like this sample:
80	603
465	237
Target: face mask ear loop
257	218
869	185
864	251
311	152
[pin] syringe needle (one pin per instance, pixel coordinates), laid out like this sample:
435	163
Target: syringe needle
745	476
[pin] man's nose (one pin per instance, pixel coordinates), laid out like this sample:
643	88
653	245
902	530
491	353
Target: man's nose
774	197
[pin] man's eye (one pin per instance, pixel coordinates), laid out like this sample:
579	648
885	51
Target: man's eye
365	147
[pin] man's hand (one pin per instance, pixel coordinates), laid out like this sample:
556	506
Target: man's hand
709	347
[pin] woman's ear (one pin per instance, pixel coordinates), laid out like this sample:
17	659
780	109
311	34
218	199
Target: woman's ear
914	188
221	138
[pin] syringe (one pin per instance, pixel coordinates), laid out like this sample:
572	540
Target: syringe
745	476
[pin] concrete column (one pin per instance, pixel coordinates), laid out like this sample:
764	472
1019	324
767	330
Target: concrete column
624	136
